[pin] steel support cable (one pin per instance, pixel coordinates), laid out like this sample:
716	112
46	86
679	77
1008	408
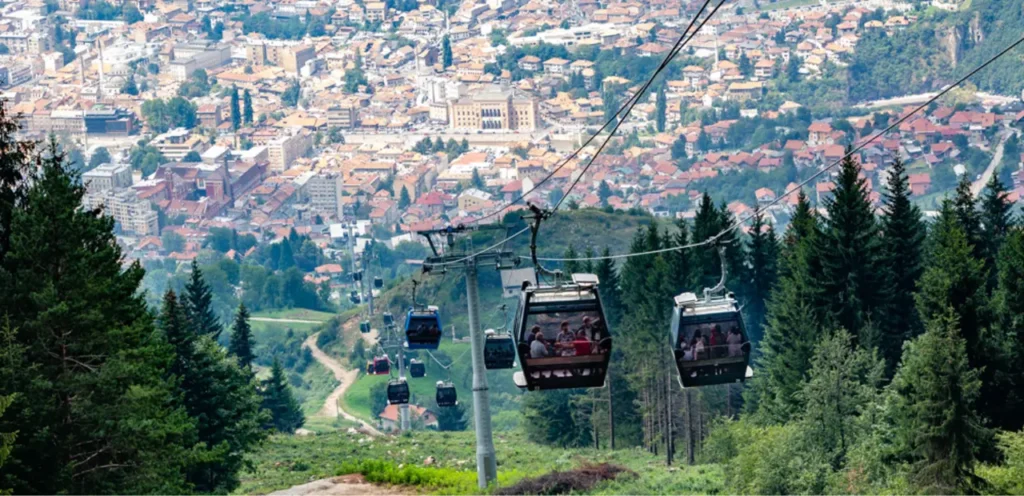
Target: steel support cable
803	183
636	96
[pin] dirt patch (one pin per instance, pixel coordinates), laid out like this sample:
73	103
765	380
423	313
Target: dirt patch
570	481
345	485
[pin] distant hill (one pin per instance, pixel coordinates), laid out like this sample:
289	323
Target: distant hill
939	48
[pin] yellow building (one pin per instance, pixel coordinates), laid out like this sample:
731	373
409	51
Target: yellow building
495	109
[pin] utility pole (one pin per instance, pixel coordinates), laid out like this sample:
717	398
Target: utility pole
486	463
403	409
611	413
486	460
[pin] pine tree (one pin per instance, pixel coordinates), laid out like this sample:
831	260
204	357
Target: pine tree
681	261
451	418
14	157
794	320
843	381
611	298
549	419
660	108
242	344
403	199
762	260
954	280
903	234
446	52
287	257
571	266
198	303
852	275
236	114
1009	304
996	220
247	107
286	414
966	209
93	411
935	391
476	180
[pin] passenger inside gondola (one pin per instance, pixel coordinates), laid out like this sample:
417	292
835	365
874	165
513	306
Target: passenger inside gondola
570	336
711	341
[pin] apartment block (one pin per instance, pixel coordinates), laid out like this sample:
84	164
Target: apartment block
128	211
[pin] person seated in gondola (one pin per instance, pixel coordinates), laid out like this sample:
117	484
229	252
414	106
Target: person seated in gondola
565	339
589	330
717	342
687	352
699	348
538	348
735	340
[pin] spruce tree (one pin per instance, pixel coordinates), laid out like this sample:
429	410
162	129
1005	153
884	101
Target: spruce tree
852	275
681	261
285	413
954	280
14	156
93	410
236	114
218	395
247	107
608	286
843	382
660	108
446	52
242	344
935	391
967	215
451	418
403	199
762	260
996	220
198	303
571	266
903	234
287	257
1009	304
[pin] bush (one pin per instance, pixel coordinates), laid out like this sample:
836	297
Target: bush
766	460
570	481
1007	478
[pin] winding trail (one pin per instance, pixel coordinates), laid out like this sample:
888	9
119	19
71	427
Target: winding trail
285	321
345	379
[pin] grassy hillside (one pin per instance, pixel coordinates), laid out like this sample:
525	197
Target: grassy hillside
291	460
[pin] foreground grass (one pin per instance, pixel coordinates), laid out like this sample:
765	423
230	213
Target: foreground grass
286	461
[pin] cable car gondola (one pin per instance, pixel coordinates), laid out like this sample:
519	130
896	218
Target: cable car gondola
708	340
357	276
557	315
389	320
378	282
398	392
354	297
446	395
364	326
417	368
381	365
423	329
499	351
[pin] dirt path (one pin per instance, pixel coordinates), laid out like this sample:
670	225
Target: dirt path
285	321
345	378
345	485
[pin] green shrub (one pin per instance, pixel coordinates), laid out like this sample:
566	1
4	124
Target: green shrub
1007	478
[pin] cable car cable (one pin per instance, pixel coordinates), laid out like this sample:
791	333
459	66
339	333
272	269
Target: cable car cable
677	47
817	174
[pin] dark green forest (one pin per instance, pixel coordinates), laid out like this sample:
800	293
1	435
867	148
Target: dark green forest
99	393
886	348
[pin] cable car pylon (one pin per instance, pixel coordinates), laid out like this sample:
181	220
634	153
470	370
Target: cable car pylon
486	461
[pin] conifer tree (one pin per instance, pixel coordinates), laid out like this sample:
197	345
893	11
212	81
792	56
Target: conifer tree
247	107
236	114
852	276
935	393
14	157
218	395
242	344
286	259
198	304
996	220
844	380
762	258
571	266
954	280
681	261
967	215
446	52
611	297
903	234
660	109
403	198
285	413
451	418
93	410
1009	303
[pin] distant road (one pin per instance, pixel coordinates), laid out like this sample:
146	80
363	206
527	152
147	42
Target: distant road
345	378
286	321
997	158
924	97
